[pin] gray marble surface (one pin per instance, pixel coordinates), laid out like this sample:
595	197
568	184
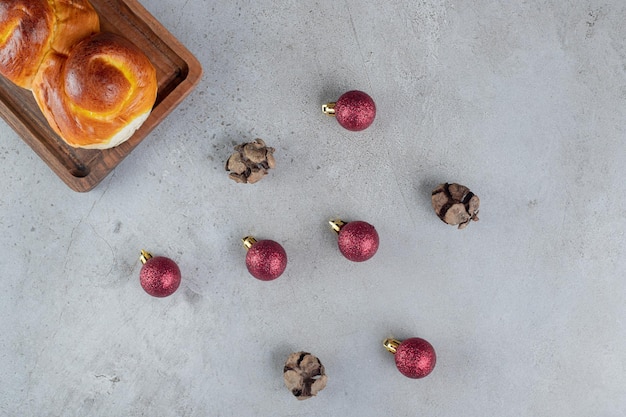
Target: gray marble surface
521	101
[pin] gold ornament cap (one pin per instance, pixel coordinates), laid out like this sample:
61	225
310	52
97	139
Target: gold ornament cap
329	109
337	224
248	242
392	345
145	256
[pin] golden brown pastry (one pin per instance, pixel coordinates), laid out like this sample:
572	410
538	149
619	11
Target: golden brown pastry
99	94
30	29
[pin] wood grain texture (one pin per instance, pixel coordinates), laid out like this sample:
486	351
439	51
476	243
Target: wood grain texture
178	72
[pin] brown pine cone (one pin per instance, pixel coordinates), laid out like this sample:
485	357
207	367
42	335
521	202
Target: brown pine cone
250	162
304	375
455	204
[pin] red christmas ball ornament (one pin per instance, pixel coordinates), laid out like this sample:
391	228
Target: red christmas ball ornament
357	240
266	260
354	110
415	357
159	276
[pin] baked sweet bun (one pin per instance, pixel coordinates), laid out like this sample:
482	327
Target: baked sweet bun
30	29
99	94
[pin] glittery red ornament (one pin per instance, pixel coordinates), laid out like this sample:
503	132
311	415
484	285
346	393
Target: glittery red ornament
159	276
354	110
357	241
415	357
266	260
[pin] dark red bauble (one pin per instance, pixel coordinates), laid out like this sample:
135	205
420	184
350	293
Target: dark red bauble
355	110
358	241
415	358
159	276
266	260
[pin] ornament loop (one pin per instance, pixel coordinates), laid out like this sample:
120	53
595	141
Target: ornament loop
337	224
391	345
329	109
248	241
145	256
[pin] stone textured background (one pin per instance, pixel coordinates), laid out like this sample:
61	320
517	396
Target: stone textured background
521	101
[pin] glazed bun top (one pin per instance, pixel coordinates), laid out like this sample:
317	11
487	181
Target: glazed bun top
75	20
94	88
99	94
30	29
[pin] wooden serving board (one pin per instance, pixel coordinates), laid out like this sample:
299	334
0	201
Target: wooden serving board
178	72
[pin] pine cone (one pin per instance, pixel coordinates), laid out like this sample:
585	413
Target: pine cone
304	375
455	204
250	162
